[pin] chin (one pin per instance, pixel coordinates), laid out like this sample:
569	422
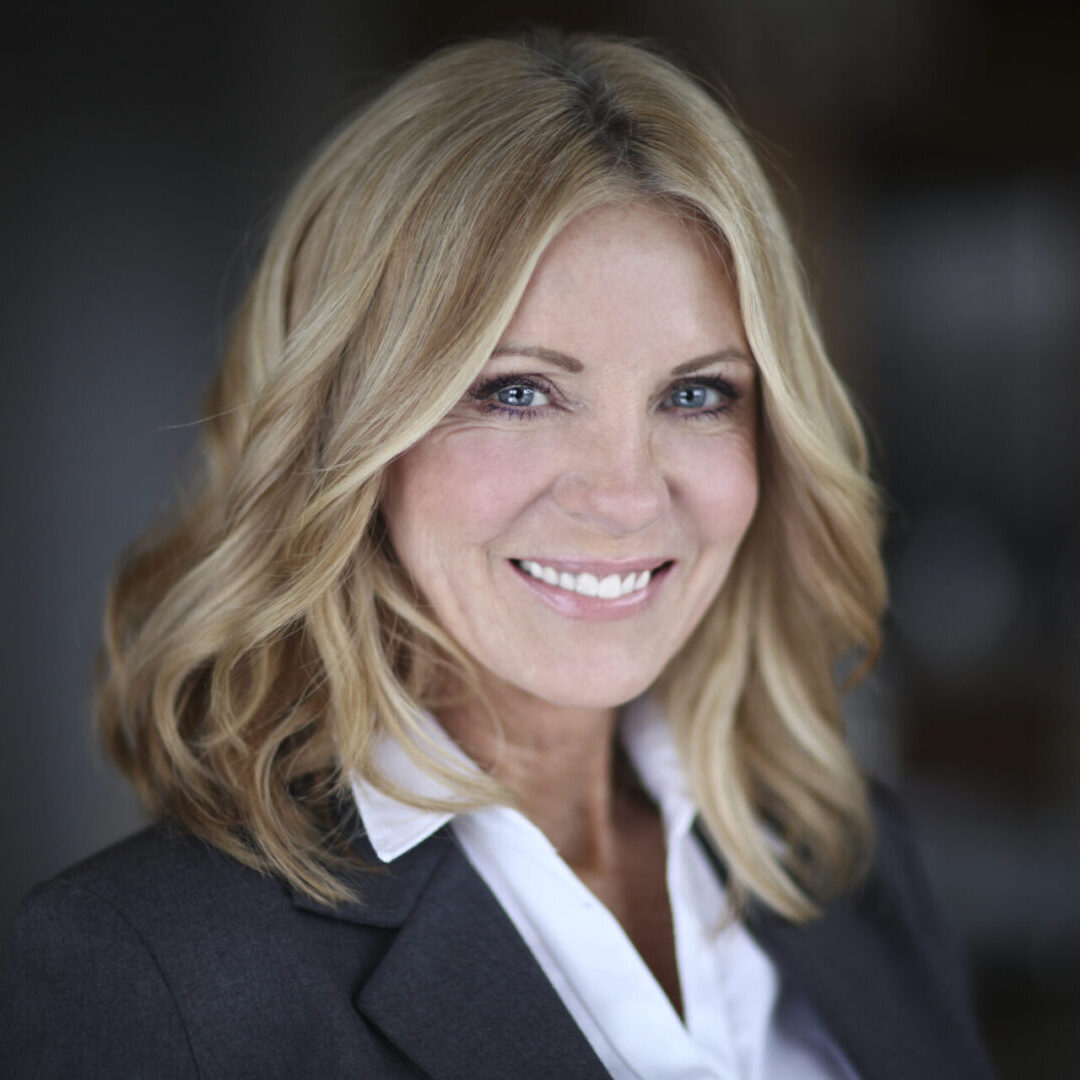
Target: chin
591	693
578	674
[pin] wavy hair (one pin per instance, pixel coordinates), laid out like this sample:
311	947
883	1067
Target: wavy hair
260	642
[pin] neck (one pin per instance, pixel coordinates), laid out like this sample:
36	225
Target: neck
557	761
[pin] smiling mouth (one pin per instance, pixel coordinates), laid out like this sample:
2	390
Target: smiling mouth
607	587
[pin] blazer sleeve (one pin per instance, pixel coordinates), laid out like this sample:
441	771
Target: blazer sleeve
84	995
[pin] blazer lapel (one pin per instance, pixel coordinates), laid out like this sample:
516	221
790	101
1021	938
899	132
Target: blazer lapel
458	991
869	969
858	980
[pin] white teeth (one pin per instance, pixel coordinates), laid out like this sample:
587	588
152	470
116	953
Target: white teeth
587	584
608	588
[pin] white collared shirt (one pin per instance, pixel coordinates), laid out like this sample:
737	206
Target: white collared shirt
740	1023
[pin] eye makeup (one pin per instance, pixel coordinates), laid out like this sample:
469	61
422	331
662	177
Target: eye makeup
488	394
728	395
485	391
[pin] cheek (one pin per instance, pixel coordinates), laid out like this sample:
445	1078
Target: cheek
459	488
720	487
737	495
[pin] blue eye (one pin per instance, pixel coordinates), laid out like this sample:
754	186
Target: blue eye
695	397
702	397
521	396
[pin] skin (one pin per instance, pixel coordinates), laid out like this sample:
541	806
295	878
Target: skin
619	461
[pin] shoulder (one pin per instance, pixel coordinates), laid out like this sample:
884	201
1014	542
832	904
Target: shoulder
881	965
901	894
899	870
161	855
85	983
164	957
163	888
162	880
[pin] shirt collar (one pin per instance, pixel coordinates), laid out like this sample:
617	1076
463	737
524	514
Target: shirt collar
650	746
394	827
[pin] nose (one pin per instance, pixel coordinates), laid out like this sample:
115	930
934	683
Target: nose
612	481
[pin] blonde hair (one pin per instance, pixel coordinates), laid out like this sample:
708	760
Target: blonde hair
259	643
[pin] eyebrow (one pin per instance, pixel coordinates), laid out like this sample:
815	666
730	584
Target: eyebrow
552	356
736	355
572	364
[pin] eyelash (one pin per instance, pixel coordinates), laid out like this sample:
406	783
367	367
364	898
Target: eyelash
483	392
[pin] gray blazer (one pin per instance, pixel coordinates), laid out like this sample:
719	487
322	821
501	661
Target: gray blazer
163	958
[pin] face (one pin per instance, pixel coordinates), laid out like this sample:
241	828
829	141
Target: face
576	514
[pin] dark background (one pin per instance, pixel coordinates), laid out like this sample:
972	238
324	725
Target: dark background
927	153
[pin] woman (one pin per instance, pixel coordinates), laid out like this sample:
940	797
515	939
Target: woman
484	691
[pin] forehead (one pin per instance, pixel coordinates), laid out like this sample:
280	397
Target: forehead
632	279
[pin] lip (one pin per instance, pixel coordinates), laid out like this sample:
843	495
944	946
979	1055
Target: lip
593	608
600	569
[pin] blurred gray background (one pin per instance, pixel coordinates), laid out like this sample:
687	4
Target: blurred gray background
928	154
